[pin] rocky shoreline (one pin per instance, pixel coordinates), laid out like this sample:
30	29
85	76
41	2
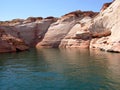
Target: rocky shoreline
78	29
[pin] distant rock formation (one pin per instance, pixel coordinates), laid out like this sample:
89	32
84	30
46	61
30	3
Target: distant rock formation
78	29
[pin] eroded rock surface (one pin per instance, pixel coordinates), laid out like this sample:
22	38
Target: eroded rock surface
21	34
76	29
108	21
79	36
9	43
66	28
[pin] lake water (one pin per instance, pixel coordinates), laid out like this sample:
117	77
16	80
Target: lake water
60	69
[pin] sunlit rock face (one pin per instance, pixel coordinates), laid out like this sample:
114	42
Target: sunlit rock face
107	22
69	26
18	21
105	6
101	31
79	29
78	36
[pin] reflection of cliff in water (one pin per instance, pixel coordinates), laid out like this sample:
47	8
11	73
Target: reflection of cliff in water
94	67
111	63
66	68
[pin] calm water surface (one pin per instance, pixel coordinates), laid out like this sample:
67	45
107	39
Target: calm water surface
60	69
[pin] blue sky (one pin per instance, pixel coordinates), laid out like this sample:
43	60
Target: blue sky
11	9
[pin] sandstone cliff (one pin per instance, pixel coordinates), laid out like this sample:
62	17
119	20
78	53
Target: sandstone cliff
79	29
79	36
30	30
61	32
10	43
107	22
25	33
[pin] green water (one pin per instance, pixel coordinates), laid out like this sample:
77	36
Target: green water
64	69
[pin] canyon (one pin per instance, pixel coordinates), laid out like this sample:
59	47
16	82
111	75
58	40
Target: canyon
77	29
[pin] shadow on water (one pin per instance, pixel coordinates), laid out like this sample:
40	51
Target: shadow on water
60	69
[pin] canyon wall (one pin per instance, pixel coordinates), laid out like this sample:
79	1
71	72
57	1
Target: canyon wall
60	32
78	29
108	21
11	43
25	33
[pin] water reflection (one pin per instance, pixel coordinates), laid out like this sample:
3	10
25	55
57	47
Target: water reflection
112	63
111	60
60	69
95	68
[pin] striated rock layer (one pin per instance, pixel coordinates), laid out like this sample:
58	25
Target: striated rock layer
79	29
9	43
19	35
101	31
108	21
69	30
78	35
